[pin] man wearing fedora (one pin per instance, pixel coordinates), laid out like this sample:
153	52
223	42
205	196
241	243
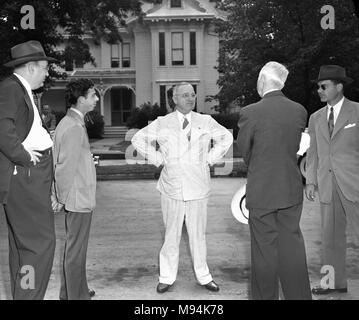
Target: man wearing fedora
332	167
26	173
268	138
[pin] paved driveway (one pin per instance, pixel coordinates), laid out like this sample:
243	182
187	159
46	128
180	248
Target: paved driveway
127	234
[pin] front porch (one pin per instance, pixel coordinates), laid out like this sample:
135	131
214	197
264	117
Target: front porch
117	97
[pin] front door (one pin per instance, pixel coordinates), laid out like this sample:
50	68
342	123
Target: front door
121	102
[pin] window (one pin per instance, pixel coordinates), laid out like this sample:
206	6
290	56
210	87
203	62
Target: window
126	63
176	3
115	56
192	48
163	97
162	49
177	48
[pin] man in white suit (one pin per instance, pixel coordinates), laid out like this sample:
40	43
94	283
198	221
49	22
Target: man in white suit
332	167
184	138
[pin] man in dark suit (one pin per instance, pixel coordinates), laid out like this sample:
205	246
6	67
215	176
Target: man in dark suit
26	173
48	117
269	137
332	167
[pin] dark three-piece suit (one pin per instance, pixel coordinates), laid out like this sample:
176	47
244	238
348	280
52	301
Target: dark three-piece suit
25	194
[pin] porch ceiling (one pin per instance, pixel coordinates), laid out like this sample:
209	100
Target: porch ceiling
108	74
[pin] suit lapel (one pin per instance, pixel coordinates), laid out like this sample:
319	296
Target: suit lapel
175	125
22	91
323	123
75	116
344	116
195	126
26	96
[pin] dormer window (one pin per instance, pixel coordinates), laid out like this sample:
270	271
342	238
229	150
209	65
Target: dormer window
176	3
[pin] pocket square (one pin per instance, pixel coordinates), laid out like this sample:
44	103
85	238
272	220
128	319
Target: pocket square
350	125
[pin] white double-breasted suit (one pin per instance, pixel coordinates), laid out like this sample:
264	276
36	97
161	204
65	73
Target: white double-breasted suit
184	182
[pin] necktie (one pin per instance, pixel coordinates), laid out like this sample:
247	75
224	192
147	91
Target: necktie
186	128
185	123
331	122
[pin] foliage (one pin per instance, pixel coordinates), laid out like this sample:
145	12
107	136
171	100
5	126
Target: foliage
99	18
229	121
146	112
94	124
288	32
59	115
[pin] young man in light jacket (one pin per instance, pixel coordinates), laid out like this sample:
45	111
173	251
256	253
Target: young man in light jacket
75	186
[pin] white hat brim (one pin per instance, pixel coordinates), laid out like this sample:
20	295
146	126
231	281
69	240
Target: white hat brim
238	205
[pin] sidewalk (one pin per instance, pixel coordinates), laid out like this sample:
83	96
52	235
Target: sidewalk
127	233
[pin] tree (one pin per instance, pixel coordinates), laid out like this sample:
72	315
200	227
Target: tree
99	18
289	32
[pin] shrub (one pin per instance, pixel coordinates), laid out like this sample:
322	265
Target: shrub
94	124
229	121
59	115
146	112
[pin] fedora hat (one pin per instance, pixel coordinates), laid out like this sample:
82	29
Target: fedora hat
28	51
238	205
333	72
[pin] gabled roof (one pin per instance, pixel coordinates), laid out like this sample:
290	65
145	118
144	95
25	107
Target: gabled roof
191	10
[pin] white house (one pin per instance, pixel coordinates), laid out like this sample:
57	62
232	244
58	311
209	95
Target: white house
175	42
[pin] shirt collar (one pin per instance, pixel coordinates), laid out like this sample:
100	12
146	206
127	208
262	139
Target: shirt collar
337	106
270	90
180	116
24	82
78	112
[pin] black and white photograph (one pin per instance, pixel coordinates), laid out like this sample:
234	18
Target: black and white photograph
189	152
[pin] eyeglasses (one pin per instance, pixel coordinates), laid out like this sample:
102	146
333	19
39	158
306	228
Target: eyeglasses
187	95
322	86
326	86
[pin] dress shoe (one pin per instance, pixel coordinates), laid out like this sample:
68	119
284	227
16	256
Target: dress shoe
320	290
162	287
92	292
212	286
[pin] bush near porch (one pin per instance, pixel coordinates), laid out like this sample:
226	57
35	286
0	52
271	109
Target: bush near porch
146	112
93	120
95	124
229	121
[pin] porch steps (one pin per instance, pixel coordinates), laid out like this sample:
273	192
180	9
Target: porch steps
115	132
